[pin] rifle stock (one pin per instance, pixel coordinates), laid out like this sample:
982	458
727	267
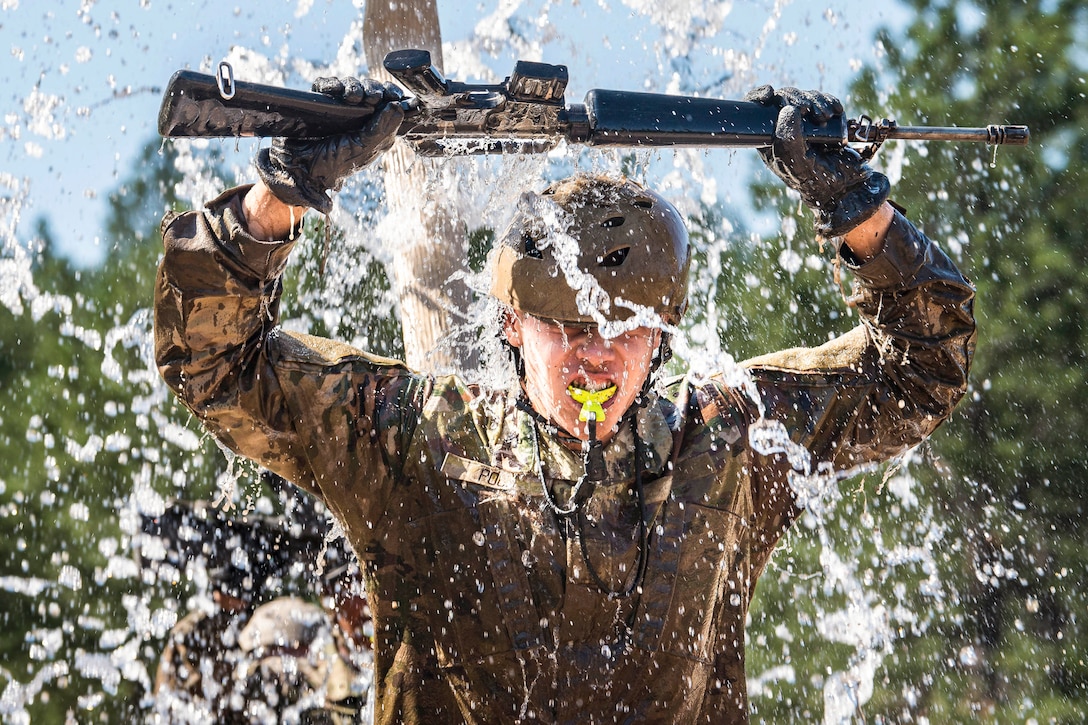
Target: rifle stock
193	106
525	113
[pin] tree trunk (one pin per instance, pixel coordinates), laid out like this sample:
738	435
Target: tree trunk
430	243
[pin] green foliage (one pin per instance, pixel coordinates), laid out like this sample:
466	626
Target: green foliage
1016	445
337	289
1001	494
84	420
480	242
759	295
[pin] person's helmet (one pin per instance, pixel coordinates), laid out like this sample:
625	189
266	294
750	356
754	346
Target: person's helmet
593	247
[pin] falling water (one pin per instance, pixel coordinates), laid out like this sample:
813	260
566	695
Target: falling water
95	617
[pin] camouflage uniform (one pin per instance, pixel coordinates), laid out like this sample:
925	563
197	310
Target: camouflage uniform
488	606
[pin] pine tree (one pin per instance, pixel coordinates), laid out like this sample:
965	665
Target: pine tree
986	623
1012	644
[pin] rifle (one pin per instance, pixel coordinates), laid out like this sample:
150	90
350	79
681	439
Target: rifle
526	113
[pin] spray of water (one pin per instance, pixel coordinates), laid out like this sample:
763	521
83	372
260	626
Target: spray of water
329	286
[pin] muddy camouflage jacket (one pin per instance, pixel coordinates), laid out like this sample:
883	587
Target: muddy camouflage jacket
487	606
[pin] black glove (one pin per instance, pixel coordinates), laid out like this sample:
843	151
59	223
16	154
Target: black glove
300	172
834	181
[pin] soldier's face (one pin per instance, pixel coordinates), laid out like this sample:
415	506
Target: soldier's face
557	356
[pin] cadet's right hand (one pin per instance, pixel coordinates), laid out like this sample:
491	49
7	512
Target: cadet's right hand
301	172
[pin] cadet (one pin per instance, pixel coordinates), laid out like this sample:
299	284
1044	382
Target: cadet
583	546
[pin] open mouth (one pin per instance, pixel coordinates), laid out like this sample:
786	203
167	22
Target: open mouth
591	386
593	397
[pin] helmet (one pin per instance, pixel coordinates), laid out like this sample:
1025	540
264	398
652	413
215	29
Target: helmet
593	247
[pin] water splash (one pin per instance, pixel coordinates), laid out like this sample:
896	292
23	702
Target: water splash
160	449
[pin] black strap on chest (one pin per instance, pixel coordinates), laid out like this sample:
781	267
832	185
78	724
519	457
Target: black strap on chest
640	493
643	534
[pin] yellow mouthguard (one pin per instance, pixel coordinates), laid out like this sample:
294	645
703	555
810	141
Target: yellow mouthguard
591	401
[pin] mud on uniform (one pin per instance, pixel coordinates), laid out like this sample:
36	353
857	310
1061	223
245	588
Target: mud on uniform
485	608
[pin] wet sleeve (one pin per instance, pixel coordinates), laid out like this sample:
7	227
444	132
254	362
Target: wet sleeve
321	414
883	387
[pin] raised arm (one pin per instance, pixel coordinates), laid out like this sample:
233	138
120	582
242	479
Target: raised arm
883	387
261	391
866	240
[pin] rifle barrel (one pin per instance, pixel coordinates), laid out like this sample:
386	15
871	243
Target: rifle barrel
864	131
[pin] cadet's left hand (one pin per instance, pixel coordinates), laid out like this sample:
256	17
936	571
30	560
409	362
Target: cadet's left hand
300	172
834	181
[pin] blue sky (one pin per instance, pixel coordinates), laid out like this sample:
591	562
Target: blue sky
83	79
